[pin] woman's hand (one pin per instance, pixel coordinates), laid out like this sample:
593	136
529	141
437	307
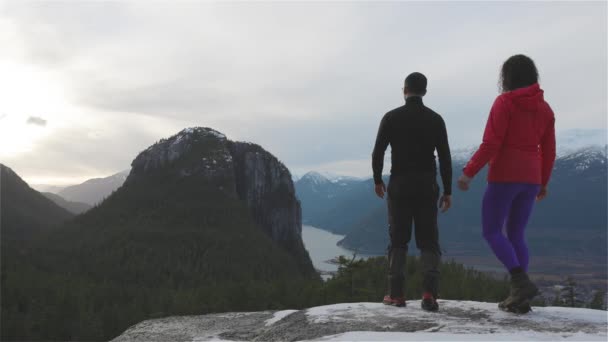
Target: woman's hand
464	182
542	194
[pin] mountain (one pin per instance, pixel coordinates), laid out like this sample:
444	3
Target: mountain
569	226
54	189
456	321
321	194
570	141
73	207
93	191
24	215
202	224
25	211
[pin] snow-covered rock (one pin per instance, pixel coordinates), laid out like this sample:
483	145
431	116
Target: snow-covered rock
456	321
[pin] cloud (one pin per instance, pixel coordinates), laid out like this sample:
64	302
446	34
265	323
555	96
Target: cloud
308	81
86	150
2	116
35	120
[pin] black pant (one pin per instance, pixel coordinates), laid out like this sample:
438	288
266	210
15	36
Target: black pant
413	200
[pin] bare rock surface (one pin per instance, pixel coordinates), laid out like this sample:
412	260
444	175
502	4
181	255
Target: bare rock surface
456	320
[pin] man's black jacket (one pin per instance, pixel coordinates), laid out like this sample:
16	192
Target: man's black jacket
414	132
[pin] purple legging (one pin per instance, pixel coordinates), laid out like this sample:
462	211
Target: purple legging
509	203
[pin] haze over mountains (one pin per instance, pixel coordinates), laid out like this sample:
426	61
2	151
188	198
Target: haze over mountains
82	197
92	191
73	207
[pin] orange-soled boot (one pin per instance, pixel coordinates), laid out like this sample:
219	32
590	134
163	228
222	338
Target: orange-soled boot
399	302
429	303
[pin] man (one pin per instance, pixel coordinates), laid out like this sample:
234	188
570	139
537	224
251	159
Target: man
414	132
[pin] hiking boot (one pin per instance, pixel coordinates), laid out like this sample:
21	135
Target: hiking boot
516	308
522	289
429	303
398	302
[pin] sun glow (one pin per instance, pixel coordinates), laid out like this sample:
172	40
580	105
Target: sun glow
25	92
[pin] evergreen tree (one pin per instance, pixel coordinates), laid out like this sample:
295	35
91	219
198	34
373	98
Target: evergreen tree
599	300
557	299
570	294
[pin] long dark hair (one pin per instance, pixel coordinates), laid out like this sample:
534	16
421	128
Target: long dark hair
518	71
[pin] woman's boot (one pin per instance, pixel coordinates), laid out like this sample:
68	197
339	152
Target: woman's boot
522	292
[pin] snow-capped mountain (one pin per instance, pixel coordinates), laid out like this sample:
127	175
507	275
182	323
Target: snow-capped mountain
314	178
568	142
572	140
584	158
317	177
455	321
463	155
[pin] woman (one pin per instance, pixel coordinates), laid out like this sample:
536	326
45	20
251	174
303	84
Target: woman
519	145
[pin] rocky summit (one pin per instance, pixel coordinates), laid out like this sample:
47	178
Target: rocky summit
456	321
242	170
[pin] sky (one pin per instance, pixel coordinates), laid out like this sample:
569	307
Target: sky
86	86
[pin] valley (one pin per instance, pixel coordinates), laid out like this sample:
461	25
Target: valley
567	232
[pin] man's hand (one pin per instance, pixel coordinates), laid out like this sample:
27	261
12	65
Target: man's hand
464	182
380	189
445	203
542	194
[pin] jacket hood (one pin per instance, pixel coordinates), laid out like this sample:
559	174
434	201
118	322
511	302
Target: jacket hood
527	98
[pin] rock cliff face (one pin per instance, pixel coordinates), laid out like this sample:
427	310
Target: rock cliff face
242	170
266	186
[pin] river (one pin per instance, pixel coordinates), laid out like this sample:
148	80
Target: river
322	246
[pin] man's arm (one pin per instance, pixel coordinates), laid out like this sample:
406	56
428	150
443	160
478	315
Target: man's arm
382	141
445	158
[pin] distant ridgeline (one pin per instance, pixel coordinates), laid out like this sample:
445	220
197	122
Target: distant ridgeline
569	226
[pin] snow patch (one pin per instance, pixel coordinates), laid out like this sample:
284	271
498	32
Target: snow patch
328	313
279	315
202	130
438	336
